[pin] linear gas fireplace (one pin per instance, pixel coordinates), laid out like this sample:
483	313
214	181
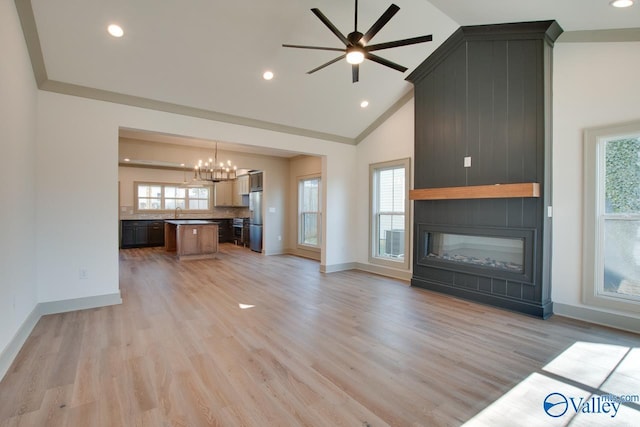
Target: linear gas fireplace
494	252
482	166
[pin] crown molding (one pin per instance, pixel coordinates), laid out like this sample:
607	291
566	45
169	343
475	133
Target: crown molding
30	31
601	36
168	107
384	116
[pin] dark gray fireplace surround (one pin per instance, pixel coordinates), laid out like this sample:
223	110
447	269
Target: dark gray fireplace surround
486	94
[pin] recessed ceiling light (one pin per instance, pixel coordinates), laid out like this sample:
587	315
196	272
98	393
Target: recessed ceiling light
621	3
127	159
268	75
364	104
115	30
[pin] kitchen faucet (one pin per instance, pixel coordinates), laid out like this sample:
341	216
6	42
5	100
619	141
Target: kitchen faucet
176	215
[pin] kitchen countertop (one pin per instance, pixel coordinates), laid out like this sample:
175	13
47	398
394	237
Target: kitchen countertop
188	221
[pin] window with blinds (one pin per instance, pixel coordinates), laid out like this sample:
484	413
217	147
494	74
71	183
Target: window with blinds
612	217
389	213
309	212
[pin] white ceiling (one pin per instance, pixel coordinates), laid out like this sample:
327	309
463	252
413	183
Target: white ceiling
210	55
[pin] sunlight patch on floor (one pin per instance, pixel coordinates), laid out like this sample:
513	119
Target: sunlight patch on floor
588	363
573	389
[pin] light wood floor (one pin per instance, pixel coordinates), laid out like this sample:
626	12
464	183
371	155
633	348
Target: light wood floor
269	341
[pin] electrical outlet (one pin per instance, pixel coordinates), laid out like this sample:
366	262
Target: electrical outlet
467	162
279	237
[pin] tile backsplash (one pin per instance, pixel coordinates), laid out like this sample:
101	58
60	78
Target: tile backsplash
127	212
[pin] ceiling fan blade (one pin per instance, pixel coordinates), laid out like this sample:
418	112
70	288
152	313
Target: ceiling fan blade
329	25
398	43
337	49
355	72
381	22
385	62
327	64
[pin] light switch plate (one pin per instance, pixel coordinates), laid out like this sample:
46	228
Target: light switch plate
467	162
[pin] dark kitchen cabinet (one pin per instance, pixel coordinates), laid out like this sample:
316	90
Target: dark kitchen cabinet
225	230
156	233
141	233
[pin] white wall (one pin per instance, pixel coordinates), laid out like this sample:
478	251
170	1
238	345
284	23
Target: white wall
17	175
393	140
77	201
595	84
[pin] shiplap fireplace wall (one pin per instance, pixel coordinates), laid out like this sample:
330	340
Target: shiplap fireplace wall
482	163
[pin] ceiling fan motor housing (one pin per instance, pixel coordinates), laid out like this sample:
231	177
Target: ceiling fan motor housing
355	37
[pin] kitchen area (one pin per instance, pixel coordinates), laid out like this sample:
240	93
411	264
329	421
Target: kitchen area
233	214
255	211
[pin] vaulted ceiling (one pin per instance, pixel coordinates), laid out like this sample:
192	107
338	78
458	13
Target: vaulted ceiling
206	58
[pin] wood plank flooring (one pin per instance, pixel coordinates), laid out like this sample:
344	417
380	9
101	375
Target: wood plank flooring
248	340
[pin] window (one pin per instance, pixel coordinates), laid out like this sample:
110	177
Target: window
389	233
612	217
309	211
168	197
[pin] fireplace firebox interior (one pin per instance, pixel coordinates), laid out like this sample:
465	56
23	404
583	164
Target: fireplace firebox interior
503	253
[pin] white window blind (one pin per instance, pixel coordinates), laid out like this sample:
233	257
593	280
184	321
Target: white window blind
389	206
309	212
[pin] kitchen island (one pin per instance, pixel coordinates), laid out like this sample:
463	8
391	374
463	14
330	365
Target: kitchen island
191	238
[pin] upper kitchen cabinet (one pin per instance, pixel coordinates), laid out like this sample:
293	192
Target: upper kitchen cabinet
240	189
223	194
255	181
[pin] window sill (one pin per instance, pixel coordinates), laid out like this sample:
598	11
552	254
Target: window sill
390	262
308	248
611	303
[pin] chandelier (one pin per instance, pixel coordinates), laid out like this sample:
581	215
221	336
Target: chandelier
214	171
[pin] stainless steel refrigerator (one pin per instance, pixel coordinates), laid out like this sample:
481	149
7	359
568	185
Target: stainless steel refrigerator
255	221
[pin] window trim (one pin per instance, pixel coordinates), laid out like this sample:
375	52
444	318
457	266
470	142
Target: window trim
388	262
592	261
137	210
299	243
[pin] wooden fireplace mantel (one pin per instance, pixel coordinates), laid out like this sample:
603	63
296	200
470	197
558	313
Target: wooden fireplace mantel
497	191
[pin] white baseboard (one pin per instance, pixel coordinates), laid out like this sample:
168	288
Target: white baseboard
276	252
337	267
9	353
53	307
618	321
385	271
375	269
303	253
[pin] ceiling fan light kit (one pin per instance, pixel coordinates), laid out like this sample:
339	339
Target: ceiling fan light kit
355	55
356	48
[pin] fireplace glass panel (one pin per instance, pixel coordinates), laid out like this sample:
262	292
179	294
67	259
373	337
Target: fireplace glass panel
503	253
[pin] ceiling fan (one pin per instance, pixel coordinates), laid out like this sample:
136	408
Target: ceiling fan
356	49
